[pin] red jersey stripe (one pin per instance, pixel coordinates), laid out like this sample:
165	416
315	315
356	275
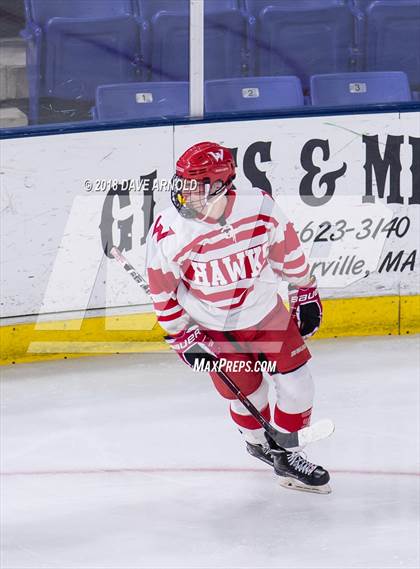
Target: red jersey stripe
277	252
245	235
214	233
291	240
160	281
239	303
231	293
300	261
171	316
296	275
166	304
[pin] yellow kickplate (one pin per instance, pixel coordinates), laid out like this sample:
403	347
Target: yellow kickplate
369	316
74	338
139	333
410	315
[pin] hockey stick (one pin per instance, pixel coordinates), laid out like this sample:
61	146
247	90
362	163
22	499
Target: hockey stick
302	437
118	256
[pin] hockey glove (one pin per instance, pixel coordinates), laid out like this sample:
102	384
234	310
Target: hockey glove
192	344
306	308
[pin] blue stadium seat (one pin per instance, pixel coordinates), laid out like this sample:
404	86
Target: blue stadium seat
362	4
224	44
359	88
142	101
255	7
393	38
75	45
149	8
303	38
252	94
41	11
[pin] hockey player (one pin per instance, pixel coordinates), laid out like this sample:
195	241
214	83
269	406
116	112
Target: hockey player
214	262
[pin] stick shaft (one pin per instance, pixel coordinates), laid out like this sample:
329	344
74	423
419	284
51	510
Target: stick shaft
118	256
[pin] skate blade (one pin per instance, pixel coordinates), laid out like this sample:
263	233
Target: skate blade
292	484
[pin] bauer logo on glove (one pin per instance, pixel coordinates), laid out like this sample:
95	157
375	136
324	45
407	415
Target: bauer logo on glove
192	344
306	308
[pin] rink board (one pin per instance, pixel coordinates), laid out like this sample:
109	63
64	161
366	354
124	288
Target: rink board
364	316
350	183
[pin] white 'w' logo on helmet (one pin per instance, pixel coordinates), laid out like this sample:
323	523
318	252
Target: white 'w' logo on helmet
218	156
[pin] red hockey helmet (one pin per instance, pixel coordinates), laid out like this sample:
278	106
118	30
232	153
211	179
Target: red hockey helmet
205	170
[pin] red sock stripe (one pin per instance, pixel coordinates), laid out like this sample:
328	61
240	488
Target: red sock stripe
292	422
248	421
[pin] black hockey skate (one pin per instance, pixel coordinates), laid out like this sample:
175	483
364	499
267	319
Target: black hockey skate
298	473
263	452
294	470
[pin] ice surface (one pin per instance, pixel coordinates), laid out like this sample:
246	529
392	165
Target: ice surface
131	461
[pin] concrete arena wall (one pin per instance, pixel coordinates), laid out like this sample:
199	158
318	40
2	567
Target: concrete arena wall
350	184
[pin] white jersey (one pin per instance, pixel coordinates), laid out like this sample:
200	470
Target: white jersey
222	277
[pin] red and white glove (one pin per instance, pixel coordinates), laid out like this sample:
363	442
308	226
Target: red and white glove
192	344
306	308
